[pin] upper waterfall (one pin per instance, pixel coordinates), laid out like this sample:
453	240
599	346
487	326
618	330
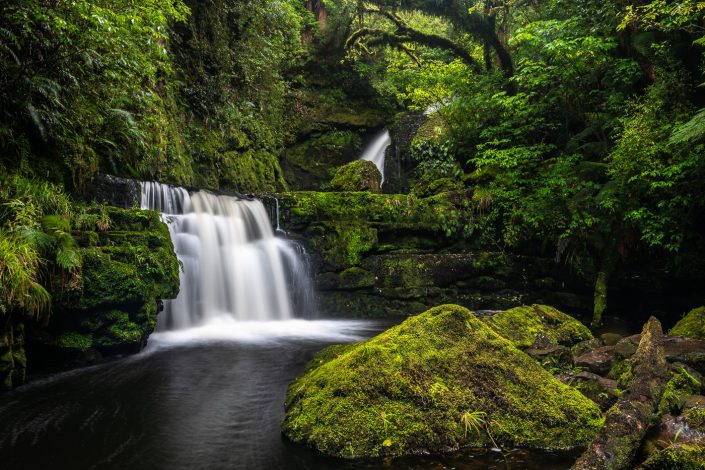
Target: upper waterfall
376	150
233	264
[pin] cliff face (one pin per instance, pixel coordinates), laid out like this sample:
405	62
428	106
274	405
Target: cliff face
128	268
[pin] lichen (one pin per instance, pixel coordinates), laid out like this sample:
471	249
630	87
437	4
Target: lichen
522	326
407	391
691	325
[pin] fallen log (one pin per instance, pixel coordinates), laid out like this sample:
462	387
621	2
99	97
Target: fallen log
628	420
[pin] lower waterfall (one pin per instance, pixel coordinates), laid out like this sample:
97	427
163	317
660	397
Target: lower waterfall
233	265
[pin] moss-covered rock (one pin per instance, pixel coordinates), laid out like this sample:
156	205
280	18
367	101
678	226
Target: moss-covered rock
360	175
127	269
689	456
251	171
681	385
523	325
692	325
438	381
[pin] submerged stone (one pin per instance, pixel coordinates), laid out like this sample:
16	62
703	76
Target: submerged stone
437	382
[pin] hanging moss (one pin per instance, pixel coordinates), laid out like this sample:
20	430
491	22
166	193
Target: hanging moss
418	387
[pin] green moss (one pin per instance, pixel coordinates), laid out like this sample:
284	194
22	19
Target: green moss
691	325
360	175
407	390
622	373
75	340
356	278
681	385
397	211
522	325
425	187
343	245
251	171
689	456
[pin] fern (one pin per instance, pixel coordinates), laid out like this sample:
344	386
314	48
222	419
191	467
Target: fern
691	131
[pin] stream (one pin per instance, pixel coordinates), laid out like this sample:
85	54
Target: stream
209	398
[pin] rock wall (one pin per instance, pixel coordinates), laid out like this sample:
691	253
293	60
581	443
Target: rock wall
376	255
128	267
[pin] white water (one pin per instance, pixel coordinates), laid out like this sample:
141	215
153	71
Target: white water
234	268
377	150
226	329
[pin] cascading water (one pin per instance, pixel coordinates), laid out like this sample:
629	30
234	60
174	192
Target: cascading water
233	265
377	150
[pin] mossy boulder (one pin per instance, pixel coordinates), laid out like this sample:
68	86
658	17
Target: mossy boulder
439	381
524	325
360	175
690	456
692	325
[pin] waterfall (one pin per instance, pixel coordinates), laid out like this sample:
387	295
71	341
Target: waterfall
233	264
377	149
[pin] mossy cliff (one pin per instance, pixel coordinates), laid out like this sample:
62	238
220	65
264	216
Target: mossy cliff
128	267
439	381
389	254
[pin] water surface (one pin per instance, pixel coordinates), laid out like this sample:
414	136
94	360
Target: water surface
208	398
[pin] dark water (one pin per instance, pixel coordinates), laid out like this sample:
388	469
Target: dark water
190	405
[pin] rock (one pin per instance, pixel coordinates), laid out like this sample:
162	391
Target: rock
360	175
599	360
689	456
127	269
551	355
626	347
598	389
687	350
610	339
524	325
692	325
681	385
437	382
585	346
628	420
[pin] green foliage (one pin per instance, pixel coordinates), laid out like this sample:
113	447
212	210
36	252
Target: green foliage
35	239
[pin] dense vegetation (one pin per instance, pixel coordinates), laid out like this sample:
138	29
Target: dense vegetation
578	125
572	130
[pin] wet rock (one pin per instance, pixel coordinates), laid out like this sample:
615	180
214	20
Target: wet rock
686	350
585	346
599	360
601	390
610	339
626	347
627	422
